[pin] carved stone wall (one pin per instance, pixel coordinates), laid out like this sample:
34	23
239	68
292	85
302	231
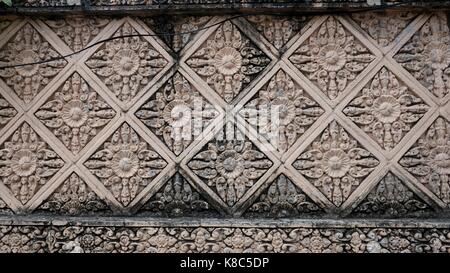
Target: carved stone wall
311	133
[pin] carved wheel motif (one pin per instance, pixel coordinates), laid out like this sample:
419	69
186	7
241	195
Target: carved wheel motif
228	61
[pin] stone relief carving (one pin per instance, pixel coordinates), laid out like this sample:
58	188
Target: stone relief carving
75	113
384	27
27	163
28	46
74	197
7	112
4	209
429	159
335	163
32	239
296	111
77	32
230	164
276	29
332	58
427	55
283	199
391	198
228	61
177	113
125	164
4	23
386	109
124	161
178	198
126	65
186	25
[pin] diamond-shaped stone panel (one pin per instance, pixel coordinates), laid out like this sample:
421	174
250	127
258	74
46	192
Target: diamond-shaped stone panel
186	25
75	113
177	198
390	199
384	26
27	163
427	55
126	65
7	112
281	111
278	30
386	109
77	31
428	160
228	61
283	199
4	209
74	197
335	163
332	58
125	163
177	113
230	164
28	46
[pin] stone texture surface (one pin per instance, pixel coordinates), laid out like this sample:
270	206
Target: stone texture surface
286	119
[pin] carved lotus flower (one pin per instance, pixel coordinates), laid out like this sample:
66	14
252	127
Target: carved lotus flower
281	111
332	58
27	163
77	31
231	167
28	46
126	65
125	164
228	61
177	113
75	113
335	163
427	55
73	197
386	109
429	159
278	29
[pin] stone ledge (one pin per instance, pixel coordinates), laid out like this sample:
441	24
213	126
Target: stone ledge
217	222
53	7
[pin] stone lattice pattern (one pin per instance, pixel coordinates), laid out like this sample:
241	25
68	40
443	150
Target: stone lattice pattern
228	61
126	65
175	130
27	163
230	164
336	163
75	113
429	158
332	58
